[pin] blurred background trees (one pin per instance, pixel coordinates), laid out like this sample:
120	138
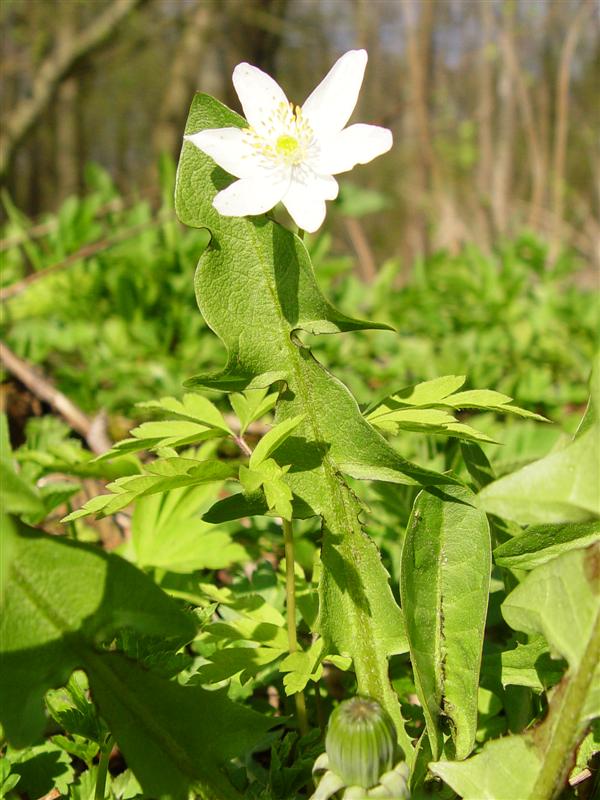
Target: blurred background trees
493	103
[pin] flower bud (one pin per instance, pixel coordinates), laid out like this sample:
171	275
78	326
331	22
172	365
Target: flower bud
360	742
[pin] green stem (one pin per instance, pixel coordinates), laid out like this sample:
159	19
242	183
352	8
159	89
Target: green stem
290	594
319	706
103	769
567	726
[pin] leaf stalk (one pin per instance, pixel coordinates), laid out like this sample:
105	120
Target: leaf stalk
105	752
290	604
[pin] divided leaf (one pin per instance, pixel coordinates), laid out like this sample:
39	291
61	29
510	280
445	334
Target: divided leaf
163	475
429	407
167	532
192	407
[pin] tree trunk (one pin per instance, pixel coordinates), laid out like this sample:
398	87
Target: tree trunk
53	71
503	163
485	108
418	22
66	111
561	123
188	64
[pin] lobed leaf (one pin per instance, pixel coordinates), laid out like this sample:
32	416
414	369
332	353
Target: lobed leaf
165	474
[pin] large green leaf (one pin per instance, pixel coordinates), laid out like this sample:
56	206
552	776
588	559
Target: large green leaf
561	600
562	487
256	289
446	561
62	602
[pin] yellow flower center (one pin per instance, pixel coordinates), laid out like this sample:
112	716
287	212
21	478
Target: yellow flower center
287	139
287	146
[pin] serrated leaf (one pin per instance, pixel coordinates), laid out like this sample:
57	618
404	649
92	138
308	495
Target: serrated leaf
446	562
423	407
301	667
77	746
165	475
192	407
252	405
42	768
541	543
246	662
71	709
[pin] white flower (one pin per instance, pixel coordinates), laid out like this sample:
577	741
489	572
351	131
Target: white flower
288	153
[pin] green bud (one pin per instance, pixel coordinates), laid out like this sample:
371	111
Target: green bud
360	742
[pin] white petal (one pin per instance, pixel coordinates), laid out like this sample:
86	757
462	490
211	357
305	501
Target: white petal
357	144
329	107
229	148
305	199
252	195
259	95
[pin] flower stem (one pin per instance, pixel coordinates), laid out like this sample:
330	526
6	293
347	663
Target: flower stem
105	752
567	731
290	594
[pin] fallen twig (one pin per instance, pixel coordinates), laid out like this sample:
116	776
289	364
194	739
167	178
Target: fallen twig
91	429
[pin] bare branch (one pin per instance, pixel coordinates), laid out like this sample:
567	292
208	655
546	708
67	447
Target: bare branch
91	430
52	71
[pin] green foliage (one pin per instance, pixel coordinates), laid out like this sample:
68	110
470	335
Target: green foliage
560	600
451	579
260	331
79	597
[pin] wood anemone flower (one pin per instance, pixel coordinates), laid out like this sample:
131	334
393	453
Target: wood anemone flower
290	153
